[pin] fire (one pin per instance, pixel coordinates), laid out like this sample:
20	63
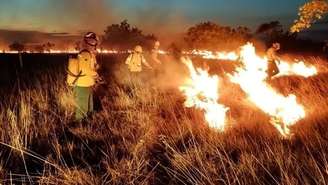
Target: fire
162	52
105	51
285	111
69	51
227	56
299	68
202	92
215	55
285	67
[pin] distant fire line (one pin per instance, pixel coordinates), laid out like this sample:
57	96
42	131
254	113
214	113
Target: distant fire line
285	67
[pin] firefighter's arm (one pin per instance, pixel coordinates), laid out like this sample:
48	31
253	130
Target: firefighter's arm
154	57
143	60
127	61
158	61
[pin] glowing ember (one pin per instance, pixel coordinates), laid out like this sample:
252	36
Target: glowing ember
202	91
298	68
285	111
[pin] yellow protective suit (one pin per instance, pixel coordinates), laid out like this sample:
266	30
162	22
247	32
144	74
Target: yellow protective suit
135	61
82	71
82	76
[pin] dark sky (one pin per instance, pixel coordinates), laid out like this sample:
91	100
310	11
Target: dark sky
174	15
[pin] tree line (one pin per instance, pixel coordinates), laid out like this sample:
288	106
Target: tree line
205	35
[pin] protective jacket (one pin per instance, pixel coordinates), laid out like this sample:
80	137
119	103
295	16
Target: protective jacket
82	71
135	61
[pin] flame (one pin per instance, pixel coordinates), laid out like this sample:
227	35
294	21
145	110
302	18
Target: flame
227	56
285	111
105	51
202	92
299	68
285	67
162	52
69	51
214	55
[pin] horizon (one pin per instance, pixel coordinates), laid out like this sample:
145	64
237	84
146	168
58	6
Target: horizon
80	15
22	20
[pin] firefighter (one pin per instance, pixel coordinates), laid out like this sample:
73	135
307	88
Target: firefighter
82	76
156	63
154	54
135	60
272	59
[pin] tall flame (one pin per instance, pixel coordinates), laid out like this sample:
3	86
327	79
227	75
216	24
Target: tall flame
285	111
202	92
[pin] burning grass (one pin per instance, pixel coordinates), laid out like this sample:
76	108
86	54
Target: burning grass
144	135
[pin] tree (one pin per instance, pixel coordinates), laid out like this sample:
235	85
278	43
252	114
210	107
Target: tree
243	31
123	36
272	31
77	45
39	48
309	13
209	35
17	46
241	34
48	46
270	28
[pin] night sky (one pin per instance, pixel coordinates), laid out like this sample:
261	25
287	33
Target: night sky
165	15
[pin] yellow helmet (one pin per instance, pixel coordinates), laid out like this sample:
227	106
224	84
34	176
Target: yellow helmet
157	44
138	49
91	39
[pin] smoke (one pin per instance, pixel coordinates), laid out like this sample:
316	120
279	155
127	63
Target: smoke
32	38
81	15
95	15
167	23
171	75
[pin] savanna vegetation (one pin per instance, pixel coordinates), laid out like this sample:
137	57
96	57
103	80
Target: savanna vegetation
142	133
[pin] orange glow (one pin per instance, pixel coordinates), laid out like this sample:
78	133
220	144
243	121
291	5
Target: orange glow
202	91
284	111
299	68
218	55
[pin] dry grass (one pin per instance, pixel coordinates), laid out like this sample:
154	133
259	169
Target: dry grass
144	135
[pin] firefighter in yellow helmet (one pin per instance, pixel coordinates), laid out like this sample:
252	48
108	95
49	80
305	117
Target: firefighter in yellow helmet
135	60
155	61
155	52
82	76
272	59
